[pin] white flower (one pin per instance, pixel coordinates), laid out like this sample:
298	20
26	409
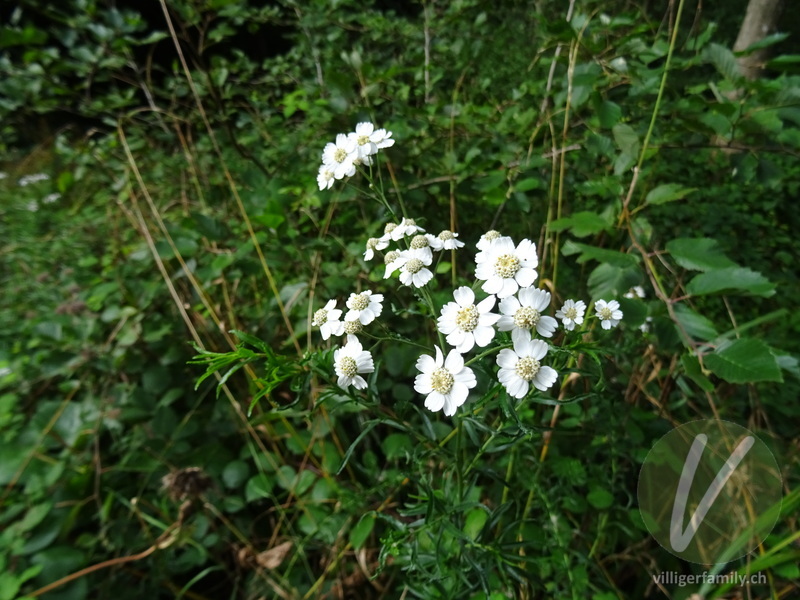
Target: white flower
608	312
487	239
645	326
32	206
521	367
3	175
505	269
339	157
525	313
425	242
325	178
382	138
35	178
351	328
351	360
393	261
387	231
50	198
571	314
412	265
362	137
636	291
406	227
364	307
374	244
466	324
446	383
448	240
327	319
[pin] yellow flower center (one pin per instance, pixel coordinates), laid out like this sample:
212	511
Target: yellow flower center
526	317
571	313
442	381
527	368
359	302
347	366
605	313
363	139
446	235
419	241
414	265
492	235
340	155
320	317
391	256
467	318
389	227
353	327
506	265
371	243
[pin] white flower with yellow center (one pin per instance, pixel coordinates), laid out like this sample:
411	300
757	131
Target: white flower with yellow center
571	314
425	242
382	138
406	227
364	307
521	367
387	232
325	178
338	157
448	240
327	319
393	261
363	139
445	383
349	361
524	312
413	267
488	238
505	268
466	324
374	244
608	312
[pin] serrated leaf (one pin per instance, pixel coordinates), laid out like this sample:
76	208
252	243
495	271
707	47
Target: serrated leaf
609	113
668	192
699	254
723	59
608	280
732	278
745	360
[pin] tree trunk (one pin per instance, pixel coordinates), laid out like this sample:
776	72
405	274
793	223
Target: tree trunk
759	22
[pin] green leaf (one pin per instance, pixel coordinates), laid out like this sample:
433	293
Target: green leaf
259	486
732	278
360	533
600	498
764	42
696	325
668	192
608	280
235	473
612	257
473	524
532	183
724	61
626	138
699	254
691	365
745	360
609	113
581	224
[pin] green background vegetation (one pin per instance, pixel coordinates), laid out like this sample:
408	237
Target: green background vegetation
175	144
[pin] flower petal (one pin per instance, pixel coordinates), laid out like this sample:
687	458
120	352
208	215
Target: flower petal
464	296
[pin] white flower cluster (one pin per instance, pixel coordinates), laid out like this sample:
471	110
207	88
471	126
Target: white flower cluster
26	180
508	272
414	260
340	158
